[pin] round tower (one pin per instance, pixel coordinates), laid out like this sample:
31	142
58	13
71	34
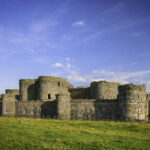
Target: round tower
132	102
26	89
104	90
49	87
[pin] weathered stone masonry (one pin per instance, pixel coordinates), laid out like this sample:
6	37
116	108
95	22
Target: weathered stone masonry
54	97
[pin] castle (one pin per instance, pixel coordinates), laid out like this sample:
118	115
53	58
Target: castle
54	97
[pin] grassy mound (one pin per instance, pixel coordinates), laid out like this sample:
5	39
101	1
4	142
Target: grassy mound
45	134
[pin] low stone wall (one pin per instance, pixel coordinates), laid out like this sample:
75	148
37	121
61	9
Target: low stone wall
36	109
91	109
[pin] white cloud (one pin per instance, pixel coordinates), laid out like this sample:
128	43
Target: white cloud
42	60
121	77
57	65
41	26
76	78
79	23
104	72
67	58
72	73
30	49
68	65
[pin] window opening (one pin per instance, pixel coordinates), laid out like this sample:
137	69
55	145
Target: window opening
49	96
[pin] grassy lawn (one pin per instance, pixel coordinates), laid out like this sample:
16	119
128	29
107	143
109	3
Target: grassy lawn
45	134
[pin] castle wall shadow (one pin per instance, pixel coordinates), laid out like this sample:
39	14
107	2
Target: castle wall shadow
49	109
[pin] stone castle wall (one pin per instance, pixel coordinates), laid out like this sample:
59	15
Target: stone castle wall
91	109
36	109
132	101
28	89
104	90
49	87
80	93
54	97
148	105
8	105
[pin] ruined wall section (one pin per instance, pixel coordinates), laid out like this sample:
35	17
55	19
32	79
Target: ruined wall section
83	109
28	109
132	102
104	90
49	87
28	89
91	109
80	93
8	105
14	92
36	109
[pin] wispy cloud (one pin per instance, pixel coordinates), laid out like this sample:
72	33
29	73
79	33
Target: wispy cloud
78	23
68	59
57	64
41	26
42	60
30	49
112	9
116	28
72	73
121	77
137	34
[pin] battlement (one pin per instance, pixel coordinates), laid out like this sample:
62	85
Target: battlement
104	90
105	82
132	92
57	80
27	81
12	91
132	87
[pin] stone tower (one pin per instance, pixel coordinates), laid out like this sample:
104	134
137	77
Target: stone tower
104	90
132	102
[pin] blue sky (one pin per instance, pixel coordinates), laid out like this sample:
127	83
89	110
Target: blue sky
81	40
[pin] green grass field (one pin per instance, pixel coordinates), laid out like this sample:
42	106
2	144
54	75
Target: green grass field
45	134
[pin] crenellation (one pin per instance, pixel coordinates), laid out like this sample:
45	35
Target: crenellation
55	97
12	91
104	90
132	92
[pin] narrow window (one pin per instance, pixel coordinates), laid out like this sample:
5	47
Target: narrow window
59	83
49	96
